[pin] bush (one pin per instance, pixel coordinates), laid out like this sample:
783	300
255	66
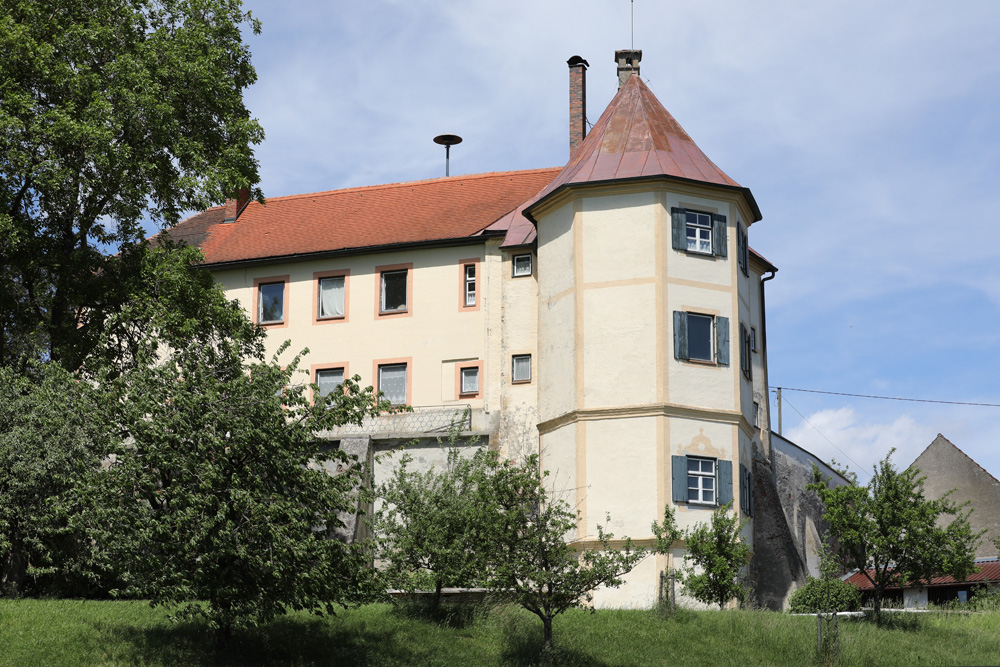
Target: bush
824	595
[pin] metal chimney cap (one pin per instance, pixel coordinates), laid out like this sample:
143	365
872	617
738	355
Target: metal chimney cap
447	139
577	60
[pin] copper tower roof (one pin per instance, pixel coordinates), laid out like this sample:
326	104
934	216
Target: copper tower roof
636	137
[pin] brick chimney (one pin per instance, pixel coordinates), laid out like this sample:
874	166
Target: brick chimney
628	62
577	103
235	206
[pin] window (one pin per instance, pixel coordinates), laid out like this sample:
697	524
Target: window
332	297
271	303
700	337
470	284
746	490
746	364
756	414
470	380
392	383
753	339
698	232
328	380
522	265
521	368
394	291
699	480
743	249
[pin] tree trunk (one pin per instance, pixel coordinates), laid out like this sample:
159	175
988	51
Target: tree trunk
15	567
877	604
547	625
437	595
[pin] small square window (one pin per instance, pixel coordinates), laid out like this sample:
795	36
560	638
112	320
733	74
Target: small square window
328	380
392	383
271	303
521	368
701	481
470	380
394	285
522	265
331	297
470	285
698	232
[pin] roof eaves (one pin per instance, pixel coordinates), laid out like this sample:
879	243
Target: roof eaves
754	209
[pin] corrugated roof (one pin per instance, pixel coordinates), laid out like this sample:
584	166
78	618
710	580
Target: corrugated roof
373	216
989	571
636	137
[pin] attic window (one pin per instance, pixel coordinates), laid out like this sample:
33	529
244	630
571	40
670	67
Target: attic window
522	265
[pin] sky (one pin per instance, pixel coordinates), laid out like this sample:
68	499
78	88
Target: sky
867	130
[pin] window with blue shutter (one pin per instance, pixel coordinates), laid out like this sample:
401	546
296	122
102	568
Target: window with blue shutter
701	337
698	232
698	480
725	482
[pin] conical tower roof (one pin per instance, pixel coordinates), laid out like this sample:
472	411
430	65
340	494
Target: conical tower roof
637	138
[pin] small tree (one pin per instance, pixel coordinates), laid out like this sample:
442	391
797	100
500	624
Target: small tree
892	534
530	560
828	593
716	555
428	533
217	500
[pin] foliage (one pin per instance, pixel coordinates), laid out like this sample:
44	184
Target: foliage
716	554
824	595
110	113
52	438
428	530
218	499
890	532
531	561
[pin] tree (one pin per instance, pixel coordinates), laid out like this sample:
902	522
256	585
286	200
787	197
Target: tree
428	533
110	113
52	438
716	555
828	593
530	560
218	499
892	534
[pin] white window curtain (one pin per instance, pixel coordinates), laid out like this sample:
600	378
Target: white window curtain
331	297
392	383
329	379
522	367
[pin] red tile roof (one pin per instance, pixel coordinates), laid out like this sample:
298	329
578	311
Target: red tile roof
637	138
365	217
989	571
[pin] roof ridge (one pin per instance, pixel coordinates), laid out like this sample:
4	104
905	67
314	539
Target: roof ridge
426	181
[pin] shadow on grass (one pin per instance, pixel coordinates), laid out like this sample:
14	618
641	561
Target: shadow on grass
889	620
523	643
285	641
456	615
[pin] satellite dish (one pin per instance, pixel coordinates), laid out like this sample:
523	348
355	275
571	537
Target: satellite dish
447	140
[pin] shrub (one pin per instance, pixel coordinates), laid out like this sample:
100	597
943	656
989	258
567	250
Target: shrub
825	595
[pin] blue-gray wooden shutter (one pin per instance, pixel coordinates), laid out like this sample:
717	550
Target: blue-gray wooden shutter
678	228
750	493
725	482
719	234
679	468
743	349
721	340
680	335
739	244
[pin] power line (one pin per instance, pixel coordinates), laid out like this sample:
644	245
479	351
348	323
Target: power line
892	398
806	420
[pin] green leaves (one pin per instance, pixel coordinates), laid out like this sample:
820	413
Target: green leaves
716	555
890	532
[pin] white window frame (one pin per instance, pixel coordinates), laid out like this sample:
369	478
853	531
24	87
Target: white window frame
697	481
319	297
513	369
469	281
260	303
468	372
406	296
712	356
756	414
515	272
753	339
703	232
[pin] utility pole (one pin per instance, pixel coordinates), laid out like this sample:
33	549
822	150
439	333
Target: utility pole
779	410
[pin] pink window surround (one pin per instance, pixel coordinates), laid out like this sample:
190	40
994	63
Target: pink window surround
314	368
461	284
255	313
317	276
459	367
389	362
379	270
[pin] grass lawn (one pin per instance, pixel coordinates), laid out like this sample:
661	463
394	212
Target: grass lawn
67	632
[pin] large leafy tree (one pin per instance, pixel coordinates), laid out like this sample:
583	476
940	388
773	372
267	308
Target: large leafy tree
892	534
219	499
110	113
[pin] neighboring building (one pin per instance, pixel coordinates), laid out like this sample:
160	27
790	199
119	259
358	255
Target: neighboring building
946	468
940	590
608	314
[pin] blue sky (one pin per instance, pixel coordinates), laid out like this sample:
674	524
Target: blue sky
867	130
